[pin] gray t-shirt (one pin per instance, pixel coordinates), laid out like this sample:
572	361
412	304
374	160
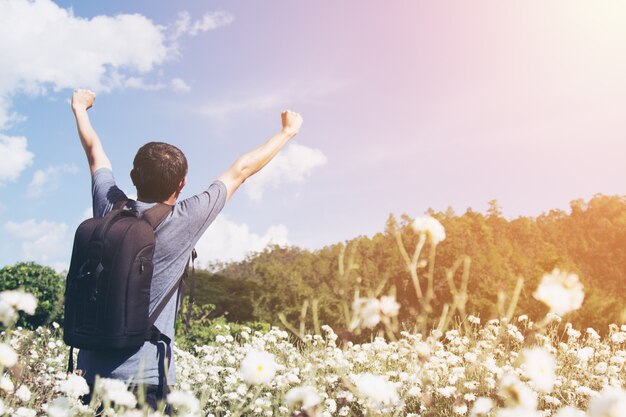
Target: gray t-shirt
175	238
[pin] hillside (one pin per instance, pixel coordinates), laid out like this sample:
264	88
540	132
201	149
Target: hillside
590	240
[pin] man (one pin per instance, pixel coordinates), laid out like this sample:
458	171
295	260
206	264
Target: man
159	173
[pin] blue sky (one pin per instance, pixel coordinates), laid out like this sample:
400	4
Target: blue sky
406	106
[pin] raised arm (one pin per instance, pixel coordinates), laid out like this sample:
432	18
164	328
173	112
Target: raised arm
82	100
253	161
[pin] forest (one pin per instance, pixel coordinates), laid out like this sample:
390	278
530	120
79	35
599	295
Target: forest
273	286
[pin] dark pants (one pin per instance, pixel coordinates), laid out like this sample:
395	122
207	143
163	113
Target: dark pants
151	393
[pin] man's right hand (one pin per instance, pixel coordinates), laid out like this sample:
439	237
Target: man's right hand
82	99
292	122
253	161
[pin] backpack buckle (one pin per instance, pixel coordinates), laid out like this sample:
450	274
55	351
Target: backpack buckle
155	335
82	273
90	267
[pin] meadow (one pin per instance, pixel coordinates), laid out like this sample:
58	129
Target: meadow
445	362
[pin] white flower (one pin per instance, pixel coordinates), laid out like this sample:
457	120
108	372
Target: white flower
258	367
388	306
20	300
430	226
573	333
183	400
376	389
562	292
8	357
25	412
592	334
517	394
74	386
601	368
6	384
619	337
7	313
23	393
367	312
469	397
585	354
517	412
460	408
482	406
422	349
331	405
610	403
447	391
583	390
302	398
540	368
60	407
550	317
116	391
569	412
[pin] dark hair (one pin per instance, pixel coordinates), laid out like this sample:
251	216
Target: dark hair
158	169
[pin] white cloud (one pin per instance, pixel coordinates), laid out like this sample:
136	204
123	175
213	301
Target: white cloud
49	179
140	84
226	240
210	21
180	86
45	242
14	155
223	110
44	46
313	91
87	214
292	165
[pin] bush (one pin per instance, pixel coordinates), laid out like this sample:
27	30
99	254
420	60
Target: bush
41	281
203	329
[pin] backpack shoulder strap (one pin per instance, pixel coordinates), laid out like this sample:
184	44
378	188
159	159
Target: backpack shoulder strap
159	308
120	204
155	215
192	288
155	336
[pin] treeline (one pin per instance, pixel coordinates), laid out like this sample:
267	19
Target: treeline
590	241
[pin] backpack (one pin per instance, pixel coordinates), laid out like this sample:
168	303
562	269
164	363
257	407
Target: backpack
107	291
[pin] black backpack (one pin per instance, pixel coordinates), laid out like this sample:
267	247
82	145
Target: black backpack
107	291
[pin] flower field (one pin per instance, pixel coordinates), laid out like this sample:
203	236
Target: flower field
488	372
502	367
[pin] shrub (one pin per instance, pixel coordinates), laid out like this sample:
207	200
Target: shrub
41	281
203	329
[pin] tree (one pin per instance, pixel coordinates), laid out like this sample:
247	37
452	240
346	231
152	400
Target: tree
41	281
588	241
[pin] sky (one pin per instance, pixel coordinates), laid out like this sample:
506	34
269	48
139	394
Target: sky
407	105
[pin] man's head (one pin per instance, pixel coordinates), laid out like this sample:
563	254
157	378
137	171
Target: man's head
159	171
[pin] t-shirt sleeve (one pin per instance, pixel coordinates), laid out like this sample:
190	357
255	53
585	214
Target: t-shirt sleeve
104	192
201	210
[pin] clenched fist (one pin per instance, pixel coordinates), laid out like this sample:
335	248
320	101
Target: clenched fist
292	121
82	99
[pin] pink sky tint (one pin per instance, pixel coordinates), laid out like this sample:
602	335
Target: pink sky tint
519	101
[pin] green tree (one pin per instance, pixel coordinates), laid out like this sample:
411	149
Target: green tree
588	241
41	281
